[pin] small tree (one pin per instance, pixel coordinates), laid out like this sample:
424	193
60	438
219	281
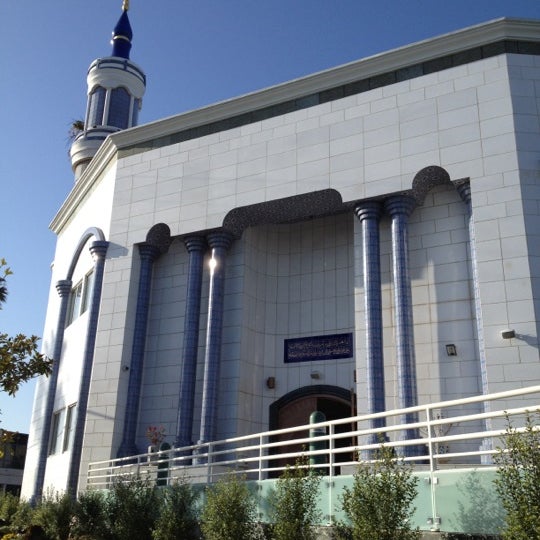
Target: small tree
133	509
90	519
178	516
229	511
518	481
9	506
20	359
294	509
54	514
379	505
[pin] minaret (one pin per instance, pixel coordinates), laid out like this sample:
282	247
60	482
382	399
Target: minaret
116	86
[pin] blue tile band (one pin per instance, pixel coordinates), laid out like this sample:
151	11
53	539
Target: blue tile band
196	246
219	243
369	214
400	208
148	254
64	288
98	249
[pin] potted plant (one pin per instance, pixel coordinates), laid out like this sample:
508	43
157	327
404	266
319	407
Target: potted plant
155	435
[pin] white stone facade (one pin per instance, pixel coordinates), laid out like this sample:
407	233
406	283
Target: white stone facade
479	121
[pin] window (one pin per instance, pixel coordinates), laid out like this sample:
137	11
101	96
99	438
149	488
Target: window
119	108
135	113
79	298
96	107
68	427
74	306
61	429
87	293
56	431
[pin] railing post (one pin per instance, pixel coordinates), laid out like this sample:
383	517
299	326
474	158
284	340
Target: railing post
209	462
261	453
431	466
331	446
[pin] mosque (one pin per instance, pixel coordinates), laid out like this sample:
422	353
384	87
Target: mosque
362	239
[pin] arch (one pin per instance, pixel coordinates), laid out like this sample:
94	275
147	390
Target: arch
293	409
335	392
91	231
426	179
286	210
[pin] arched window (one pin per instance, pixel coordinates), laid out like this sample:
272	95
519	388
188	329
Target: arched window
119	108
95	109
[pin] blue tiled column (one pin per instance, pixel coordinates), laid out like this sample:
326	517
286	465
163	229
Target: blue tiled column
369	214
219	243
98	249
148	253
465	192
64	288
196	246
400	208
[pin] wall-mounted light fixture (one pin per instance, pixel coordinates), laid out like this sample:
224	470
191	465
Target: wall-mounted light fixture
271	383
508	334
315	374
451	350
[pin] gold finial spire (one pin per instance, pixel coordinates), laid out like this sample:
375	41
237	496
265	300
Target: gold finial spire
125	5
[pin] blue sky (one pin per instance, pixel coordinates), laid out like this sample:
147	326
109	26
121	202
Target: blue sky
194	53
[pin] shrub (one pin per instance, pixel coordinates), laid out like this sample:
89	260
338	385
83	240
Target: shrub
54	514
229	511
91	517
9	504
178	515
518	481
379	505
22	519
294	509
133	508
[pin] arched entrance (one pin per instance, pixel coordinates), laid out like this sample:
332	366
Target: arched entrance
294	409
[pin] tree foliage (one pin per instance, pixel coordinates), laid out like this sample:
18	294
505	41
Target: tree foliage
54	515
20	359
178	517
294	508
518	480
229	511
379	504
133	509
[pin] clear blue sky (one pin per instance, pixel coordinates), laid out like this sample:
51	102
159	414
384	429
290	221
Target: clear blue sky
194	53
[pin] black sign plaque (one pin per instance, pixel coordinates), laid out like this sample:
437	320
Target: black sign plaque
309	349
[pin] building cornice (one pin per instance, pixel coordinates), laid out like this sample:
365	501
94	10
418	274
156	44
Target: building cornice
429	49
105	155
244	107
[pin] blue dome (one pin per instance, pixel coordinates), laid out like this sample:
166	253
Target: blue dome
122	35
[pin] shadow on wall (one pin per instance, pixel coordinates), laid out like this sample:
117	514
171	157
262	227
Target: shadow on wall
479	509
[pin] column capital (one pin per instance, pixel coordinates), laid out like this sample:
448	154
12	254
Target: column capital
149	252
63	287
220	239
464	191
400	204
195	243
98	249
368	210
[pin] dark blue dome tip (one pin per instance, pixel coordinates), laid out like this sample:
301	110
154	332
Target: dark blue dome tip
122	36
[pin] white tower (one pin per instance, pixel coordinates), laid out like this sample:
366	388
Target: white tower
116	86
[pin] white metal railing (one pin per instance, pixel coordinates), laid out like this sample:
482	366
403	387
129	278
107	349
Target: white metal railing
460	432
